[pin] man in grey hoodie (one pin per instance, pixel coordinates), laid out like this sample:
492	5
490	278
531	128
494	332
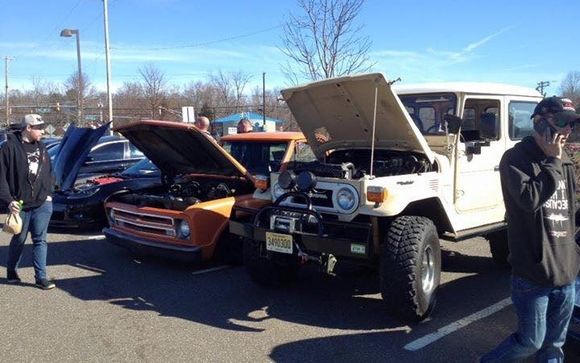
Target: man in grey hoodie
538	185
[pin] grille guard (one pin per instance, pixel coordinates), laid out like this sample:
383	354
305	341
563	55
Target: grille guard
309	211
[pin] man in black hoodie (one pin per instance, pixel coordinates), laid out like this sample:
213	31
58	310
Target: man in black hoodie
26	175
538	185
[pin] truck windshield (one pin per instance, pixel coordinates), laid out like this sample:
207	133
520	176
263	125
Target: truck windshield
427	110
257	157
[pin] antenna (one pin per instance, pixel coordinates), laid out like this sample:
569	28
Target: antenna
374	127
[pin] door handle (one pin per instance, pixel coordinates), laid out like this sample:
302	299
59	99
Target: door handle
496	168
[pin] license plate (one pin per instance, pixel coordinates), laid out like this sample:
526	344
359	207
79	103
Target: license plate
278	242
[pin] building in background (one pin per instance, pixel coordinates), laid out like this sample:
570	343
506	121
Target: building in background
228	125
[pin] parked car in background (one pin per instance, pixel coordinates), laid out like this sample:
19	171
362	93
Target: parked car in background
81	205
51	142
110	154
187	217
78	199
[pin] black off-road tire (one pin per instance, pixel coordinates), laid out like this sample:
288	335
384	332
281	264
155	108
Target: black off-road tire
410	269
229	249
499	248
269	268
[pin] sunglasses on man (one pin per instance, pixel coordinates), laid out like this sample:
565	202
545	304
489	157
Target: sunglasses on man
562	123
37	127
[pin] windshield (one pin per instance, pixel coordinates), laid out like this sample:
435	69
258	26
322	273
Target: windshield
427	110
257	157
144	167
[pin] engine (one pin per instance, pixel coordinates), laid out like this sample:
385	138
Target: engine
355	164
178	195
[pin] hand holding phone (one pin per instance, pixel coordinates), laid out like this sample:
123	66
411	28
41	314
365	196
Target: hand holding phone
551	140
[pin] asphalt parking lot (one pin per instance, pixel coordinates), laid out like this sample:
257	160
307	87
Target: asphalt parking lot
110	305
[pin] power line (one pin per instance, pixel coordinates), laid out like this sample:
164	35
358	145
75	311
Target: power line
196	45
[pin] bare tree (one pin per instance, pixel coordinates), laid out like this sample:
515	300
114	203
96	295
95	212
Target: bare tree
154	83
240	81
325	41
223	84
570	87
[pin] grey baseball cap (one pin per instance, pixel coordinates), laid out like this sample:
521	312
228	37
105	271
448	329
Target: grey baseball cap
31	119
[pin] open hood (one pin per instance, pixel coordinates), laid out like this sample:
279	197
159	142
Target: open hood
180	148
338	113
72	153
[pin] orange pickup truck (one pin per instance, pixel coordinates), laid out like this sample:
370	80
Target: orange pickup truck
187	217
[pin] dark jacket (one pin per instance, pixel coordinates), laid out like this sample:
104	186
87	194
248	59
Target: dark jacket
14	182
539	194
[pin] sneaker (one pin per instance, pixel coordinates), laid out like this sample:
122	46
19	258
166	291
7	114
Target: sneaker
12	277
45	284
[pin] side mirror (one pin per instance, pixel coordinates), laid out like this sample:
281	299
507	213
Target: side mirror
453	123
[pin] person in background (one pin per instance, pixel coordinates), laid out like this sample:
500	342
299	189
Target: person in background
26	175
245	125
538	185
202	123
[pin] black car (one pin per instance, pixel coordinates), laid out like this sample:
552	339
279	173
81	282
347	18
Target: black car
78	200
109	154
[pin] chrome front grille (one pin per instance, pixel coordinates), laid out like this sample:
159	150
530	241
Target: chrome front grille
143	222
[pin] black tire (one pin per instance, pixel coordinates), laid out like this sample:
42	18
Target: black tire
498	246
410	269
269	268
229	249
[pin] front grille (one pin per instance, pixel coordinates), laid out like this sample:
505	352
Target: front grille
320	198
142	222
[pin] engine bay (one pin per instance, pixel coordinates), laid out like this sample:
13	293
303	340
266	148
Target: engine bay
356	164
183	193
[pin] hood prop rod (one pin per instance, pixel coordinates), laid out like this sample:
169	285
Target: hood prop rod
373	136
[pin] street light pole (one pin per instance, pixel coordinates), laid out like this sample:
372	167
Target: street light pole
108	60
68	33
6	60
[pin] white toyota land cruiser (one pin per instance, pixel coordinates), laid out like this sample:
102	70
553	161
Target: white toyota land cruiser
399	168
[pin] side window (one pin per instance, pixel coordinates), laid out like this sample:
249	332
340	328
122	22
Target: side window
134	152
481	120
303	153
520	124
468	119
277	153
114	151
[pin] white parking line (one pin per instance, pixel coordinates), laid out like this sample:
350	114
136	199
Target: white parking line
450	328
218	268
99	236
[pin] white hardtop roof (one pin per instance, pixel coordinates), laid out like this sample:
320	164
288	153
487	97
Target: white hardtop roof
466	87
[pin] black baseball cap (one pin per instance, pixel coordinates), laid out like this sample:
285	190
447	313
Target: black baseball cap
555	106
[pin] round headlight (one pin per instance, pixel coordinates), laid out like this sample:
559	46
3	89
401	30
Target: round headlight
345	198
183	230
306	181
277	191
287	179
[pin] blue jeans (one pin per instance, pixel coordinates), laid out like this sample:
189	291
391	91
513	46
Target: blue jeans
543	317
34	221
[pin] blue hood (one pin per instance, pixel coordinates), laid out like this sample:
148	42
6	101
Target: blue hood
73	150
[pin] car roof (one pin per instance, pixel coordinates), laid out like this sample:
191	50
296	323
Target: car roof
466	87
264	136
108	138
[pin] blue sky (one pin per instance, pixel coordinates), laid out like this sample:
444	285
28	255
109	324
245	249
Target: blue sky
520	41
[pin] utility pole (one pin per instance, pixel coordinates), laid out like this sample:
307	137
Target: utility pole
108	60
264	100
6	60
541	86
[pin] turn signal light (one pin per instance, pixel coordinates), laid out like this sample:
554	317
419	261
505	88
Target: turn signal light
261	182
376	194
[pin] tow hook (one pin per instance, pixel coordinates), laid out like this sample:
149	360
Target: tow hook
330	263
